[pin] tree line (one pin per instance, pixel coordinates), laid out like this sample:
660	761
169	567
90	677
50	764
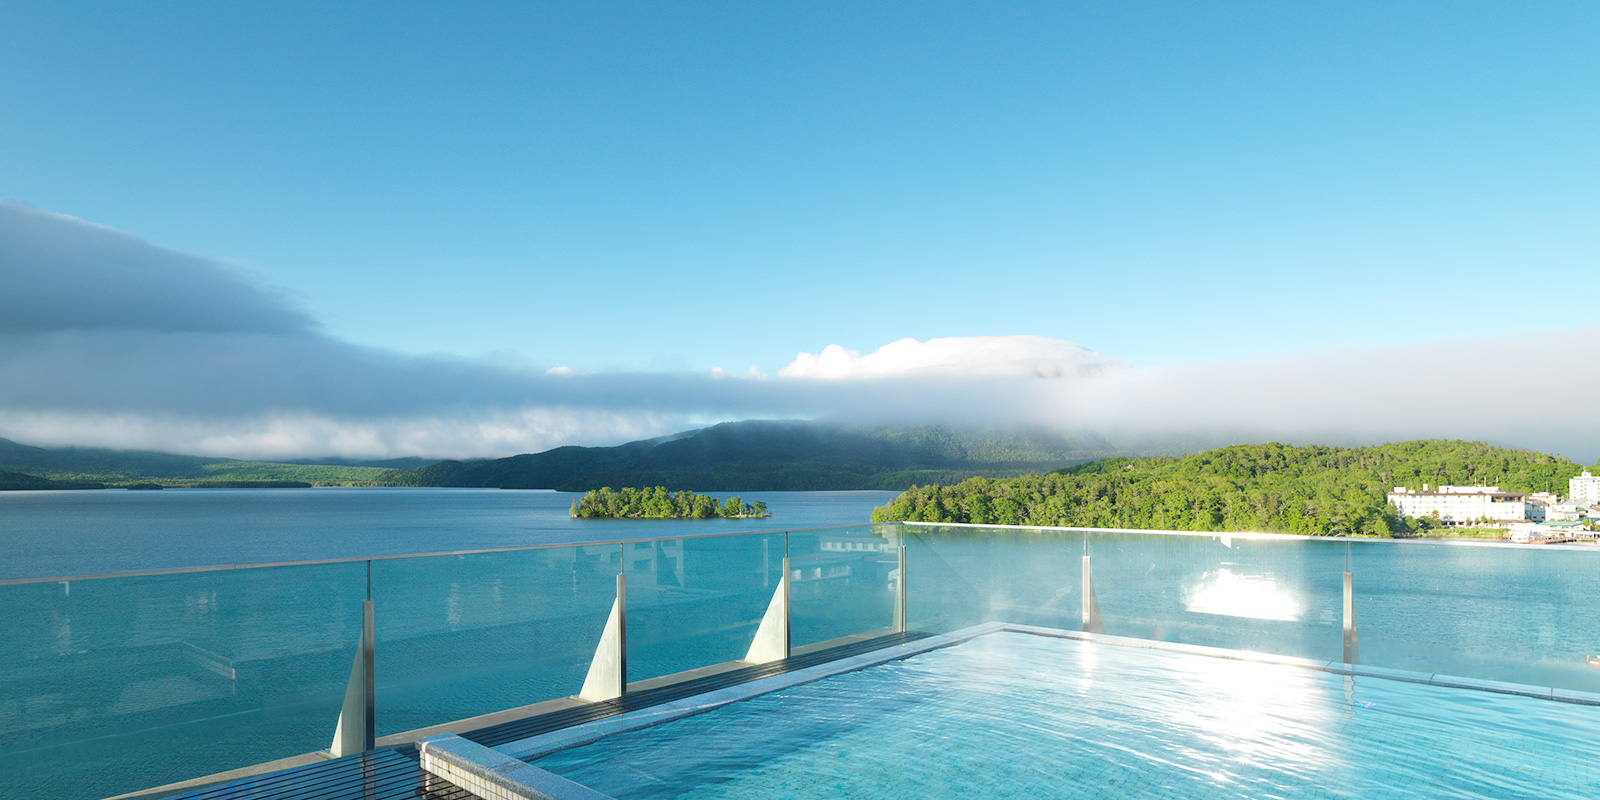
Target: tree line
658	503
1315	490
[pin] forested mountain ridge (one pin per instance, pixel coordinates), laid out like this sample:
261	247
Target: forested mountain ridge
1271	487
772	455
17	481
753	455
123	467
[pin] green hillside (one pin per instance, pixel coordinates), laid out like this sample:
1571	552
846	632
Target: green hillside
17	481
1252	487
125	467
774	455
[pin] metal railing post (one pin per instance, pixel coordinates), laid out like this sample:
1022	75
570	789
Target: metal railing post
622	634
900	592
1352	649
1091	603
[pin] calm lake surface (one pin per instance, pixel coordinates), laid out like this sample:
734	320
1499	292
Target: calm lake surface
46	534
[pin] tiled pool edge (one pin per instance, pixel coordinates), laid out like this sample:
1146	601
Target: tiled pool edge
491	775
543	744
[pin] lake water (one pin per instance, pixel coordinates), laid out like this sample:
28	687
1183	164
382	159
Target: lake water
46	534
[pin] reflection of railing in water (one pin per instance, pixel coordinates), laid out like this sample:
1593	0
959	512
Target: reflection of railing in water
213	662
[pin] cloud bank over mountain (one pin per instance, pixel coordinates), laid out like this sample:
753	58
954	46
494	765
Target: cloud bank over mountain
1524	391
109	340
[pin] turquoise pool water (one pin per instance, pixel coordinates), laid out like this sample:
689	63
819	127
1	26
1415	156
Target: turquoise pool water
1015	715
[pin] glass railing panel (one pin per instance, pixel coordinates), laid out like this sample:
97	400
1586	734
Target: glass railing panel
842	582
1519	613
120	684
697	602
1277	595
960	576
465	635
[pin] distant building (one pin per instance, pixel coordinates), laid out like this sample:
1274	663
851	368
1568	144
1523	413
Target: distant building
1527	532
1538	505
1584	487
1461	505
1569	511
1536	510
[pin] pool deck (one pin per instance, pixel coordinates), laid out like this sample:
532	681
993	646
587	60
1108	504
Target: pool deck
383	774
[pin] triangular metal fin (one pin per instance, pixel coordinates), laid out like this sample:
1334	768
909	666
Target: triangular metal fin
772	638
354	733
608	672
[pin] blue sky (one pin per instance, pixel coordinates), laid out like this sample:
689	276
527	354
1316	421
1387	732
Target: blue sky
667	188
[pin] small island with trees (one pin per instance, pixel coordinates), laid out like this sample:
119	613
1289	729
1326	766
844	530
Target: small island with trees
658	503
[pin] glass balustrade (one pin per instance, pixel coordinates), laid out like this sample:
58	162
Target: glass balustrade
112	685
1525	614
120	683
841	582
460	636
960	576
697	602
1270	594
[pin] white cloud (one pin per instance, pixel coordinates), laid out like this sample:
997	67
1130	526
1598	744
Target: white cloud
962	357
107	340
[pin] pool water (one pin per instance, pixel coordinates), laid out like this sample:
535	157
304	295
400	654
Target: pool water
1017	715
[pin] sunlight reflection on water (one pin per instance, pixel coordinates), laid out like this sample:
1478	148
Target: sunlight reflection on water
1222	591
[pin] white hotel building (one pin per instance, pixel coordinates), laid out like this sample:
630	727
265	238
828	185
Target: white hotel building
1460	505
1584	487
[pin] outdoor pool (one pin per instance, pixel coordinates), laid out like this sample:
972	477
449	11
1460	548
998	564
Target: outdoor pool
1019	715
